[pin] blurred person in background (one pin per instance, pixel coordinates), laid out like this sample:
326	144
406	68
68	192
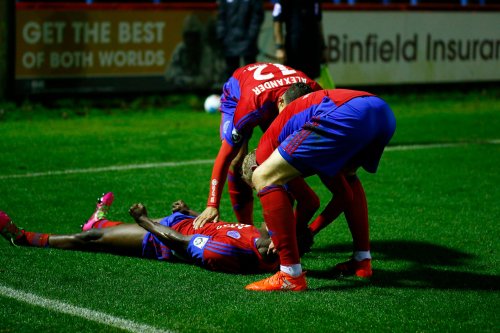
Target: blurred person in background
191	66
298	35
238	28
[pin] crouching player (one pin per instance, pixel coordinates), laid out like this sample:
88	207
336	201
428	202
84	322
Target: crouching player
323	133
220	246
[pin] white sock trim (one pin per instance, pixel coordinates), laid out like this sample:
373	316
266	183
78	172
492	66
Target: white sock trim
293	270
361	255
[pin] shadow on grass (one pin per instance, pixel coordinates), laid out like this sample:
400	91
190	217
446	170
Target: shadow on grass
426	266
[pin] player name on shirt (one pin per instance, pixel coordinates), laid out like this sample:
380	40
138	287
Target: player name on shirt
277	83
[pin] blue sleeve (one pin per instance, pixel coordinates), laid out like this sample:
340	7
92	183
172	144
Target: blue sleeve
174	218
196	247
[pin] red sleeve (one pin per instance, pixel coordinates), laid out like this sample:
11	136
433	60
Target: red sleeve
267	144
219	172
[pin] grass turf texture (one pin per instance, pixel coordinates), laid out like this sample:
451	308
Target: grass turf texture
434	225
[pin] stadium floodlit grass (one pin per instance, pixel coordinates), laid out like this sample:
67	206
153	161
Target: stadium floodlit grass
434	217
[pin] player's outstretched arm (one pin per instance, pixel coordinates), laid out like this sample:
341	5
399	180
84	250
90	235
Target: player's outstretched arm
181	207
173	239
219	173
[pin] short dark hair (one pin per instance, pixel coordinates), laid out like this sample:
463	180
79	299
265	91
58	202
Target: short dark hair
295	91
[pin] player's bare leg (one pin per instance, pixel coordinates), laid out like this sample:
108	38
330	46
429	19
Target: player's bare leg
125	239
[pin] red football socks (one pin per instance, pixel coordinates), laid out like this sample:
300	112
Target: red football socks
34	239
280	221
356	214
241	198
101	224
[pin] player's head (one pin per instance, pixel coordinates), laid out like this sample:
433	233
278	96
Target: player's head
263	244
295	91
248	166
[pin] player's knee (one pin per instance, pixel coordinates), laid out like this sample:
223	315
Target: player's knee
89	236
259	179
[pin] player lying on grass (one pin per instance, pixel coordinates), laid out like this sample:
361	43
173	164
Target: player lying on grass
220	246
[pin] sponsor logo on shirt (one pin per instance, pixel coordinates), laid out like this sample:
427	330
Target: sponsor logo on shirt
200	242
213	192
234	226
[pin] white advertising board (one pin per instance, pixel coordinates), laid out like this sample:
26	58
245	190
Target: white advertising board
391	47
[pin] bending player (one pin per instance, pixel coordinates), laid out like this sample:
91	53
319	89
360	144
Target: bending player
322	133
249	99
228	247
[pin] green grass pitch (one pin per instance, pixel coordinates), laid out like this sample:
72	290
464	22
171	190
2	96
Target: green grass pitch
434	214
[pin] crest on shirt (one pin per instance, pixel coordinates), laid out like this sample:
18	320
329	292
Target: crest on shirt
200	242
234	234
226	126
236	136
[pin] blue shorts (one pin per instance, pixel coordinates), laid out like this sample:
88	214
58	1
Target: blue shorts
353	134
229	100
152	247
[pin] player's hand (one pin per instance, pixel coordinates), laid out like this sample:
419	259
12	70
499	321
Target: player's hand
271	249
210	214
137	211
180	206
281	56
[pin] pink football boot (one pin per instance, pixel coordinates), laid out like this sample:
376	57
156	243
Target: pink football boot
102	208
8	229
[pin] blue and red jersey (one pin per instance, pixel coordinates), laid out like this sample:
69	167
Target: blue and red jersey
298	113
218	246
248	100
325	131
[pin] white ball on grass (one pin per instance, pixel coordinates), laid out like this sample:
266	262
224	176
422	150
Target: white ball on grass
212	103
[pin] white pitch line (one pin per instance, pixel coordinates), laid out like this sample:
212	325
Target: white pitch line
77	311
107	168
198	162
438	145
423	146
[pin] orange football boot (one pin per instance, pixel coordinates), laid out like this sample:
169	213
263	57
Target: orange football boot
280	281
362	269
